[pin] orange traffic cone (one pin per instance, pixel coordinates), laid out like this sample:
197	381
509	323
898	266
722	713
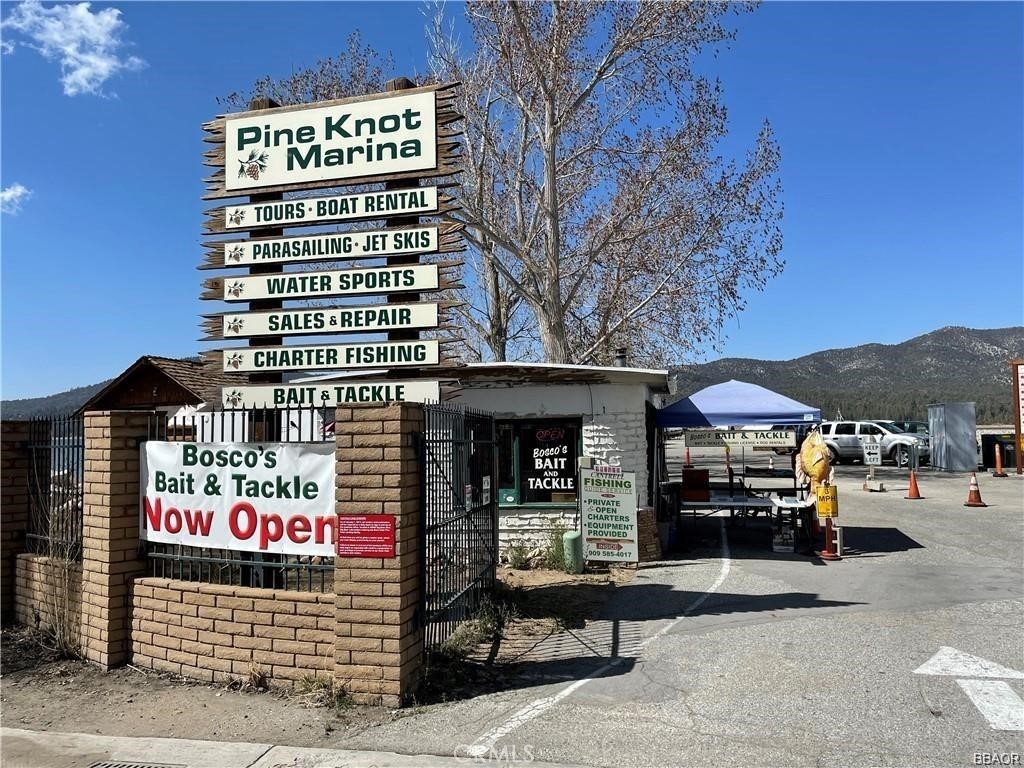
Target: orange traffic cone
999	462
913	492
974	494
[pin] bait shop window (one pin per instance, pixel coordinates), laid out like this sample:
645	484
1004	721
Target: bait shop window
537	461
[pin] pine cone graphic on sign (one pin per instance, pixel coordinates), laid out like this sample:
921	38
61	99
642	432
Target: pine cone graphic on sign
236	253
252	166
234	360
235	217
235	325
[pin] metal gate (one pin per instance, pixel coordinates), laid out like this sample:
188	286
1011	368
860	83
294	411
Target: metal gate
459	527
55	486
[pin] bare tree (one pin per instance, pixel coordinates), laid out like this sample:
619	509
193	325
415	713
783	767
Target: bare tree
359	69
594	193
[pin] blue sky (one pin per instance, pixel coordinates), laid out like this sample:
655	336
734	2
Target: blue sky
900	127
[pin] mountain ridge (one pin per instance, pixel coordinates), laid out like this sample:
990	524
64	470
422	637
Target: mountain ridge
872	380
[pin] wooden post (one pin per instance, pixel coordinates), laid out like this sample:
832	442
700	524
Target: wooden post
1018	417
401	84
265	425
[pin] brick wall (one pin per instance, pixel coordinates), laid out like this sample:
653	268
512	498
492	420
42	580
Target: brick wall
14	460
212	633
648	543
110	533
41	586
379	645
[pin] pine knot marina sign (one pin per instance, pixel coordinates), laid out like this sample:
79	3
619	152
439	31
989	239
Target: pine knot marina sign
398	139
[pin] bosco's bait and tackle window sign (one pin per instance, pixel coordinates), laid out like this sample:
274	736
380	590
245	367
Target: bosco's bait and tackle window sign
252	497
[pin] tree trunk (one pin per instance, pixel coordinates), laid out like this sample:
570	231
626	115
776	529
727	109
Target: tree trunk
551	324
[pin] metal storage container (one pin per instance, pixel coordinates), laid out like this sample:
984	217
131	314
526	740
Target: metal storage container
953	433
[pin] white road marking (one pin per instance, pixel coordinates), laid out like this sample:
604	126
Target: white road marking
950	661
997	702
534	709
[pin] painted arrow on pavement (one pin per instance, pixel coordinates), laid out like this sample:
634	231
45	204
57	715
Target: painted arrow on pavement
994	699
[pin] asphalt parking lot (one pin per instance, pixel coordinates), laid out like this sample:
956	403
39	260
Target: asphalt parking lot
734	654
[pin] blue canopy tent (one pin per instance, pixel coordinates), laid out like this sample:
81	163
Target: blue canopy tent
736	403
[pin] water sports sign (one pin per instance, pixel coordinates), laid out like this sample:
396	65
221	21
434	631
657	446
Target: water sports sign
253	497
345	282
608	502
740	438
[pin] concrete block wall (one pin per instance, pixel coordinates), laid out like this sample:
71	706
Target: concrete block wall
619	439
14	463
532	526
379	645
40	588
110	534
215	633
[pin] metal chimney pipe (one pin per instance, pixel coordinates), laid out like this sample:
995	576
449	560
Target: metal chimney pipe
620	358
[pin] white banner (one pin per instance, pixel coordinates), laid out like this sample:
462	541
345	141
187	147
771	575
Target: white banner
608	502
334	245
323	210
252	497
345	282
301	322
331	395
376	136
741	438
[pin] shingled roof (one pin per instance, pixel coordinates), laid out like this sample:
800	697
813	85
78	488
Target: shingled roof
160	381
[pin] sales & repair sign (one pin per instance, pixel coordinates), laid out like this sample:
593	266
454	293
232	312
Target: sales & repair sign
254	497
608	512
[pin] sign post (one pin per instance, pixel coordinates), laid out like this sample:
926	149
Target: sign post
398	139
1018	410
872	459
828	508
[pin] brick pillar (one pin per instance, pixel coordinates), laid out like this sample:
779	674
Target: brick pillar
379	643
110	536
14	461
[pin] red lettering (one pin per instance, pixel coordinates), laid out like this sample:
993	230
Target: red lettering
242	507
328	524
198	521
154	513
268	522
298	529
172	521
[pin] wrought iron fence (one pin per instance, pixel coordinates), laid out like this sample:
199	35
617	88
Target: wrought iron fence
225	566
459	532
55	486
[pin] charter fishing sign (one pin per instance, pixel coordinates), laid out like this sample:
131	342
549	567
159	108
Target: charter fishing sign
254	497
399	138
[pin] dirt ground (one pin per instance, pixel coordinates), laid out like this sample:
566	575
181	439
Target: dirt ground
41	691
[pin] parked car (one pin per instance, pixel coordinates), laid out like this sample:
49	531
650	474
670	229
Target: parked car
845	441
914	427
801	432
